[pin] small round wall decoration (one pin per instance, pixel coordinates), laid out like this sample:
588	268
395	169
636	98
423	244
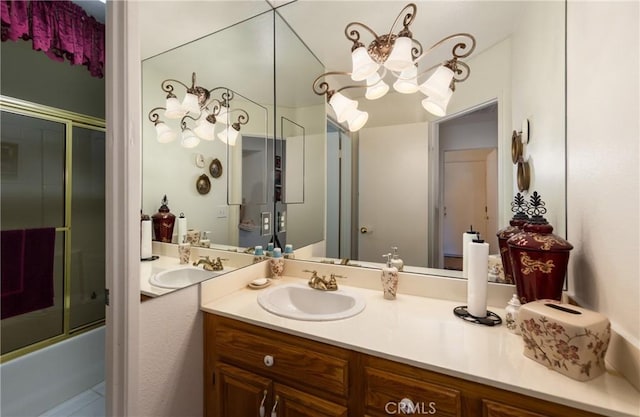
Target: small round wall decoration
203	185
215	168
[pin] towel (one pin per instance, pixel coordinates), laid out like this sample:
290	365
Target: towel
12	273
27	270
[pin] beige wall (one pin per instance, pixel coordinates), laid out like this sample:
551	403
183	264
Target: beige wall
602	140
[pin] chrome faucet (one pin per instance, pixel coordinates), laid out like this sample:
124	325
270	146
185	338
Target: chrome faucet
209	265
321	283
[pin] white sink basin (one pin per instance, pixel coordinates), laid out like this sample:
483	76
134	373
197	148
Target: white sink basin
301	302
181	277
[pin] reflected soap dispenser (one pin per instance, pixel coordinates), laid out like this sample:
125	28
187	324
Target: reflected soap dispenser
395	260
389	279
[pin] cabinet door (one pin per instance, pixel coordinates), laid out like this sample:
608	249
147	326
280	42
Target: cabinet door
495	409
294	403
240	393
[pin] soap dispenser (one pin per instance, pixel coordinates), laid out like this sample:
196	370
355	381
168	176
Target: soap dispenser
276	263
389	279
395	260
512	310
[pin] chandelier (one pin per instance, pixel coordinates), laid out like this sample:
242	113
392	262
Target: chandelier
398	55
198	107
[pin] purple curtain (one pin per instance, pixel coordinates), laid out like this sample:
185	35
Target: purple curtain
61	29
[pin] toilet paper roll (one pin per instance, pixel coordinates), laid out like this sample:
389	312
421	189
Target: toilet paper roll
467	237
145	239
477	279
182	229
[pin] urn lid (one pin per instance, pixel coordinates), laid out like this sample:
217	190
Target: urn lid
164	208
519	208
537	233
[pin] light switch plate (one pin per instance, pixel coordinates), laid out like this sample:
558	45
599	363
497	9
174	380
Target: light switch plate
265	224
281	225
222	212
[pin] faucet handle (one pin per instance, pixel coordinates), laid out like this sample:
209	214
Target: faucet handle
338	276
314	272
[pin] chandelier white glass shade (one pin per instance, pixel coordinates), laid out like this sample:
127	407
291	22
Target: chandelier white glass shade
397	55
407	82
164	133
362	64
189	139
199	107
376	87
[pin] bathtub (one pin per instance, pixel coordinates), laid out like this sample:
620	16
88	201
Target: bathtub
37	382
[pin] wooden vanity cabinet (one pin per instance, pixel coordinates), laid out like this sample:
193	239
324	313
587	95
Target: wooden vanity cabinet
247	365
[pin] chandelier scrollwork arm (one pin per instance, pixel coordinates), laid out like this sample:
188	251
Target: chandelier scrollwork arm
168	88
154	116
456	47
183	122
243	118
321	87
460	70
354	35
406	21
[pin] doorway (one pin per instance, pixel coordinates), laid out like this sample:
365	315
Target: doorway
339	175
467	164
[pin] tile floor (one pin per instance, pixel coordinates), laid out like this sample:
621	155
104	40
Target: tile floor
87	404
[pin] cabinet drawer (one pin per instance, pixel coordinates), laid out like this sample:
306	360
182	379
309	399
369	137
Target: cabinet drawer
495	409
385	391
290	361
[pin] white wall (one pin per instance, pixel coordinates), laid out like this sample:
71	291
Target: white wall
603	160
171	355
537	88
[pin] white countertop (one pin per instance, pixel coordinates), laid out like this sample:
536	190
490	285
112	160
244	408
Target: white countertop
423	332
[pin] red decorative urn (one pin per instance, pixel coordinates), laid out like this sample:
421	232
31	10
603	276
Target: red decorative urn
163	222
519	207
539	258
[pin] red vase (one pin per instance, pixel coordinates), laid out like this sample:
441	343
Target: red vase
539	259
163	222
518	206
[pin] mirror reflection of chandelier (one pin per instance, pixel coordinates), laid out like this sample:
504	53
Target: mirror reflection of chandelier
199	107
399	55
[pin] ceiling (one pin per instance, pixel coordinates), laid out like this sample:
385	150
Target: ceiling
168	24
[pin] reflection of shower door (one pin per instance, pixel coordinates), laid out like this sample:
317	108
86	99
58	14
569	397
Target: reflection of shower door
464	202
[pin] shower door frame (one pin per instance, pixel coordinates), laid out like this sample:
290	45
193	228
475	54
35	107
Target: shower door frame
69	120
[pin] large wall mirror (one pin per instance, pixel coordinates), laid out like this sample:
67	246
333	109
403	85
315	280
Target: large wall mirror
311	174
236	66
393	183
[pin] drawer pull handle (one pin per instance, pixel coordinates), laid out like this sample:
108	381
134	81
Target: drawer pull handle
268	360
275	405
264	398
406	406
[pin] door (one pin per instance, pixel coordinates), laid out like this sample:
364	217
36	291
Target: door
465	197
294	403
393	192
241	393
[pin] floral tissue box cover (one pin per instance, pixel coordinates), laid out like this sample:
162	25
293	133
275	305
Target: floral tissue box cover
565	338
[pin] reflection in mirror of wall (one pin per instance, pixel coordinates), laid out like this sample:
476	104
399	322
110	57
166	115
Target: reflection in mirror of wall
239	103
518	65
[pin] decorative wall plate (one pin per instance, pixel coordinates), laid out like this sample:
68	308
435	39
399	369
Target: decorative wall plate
200	160
203	185
215	168
524	176
516	147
